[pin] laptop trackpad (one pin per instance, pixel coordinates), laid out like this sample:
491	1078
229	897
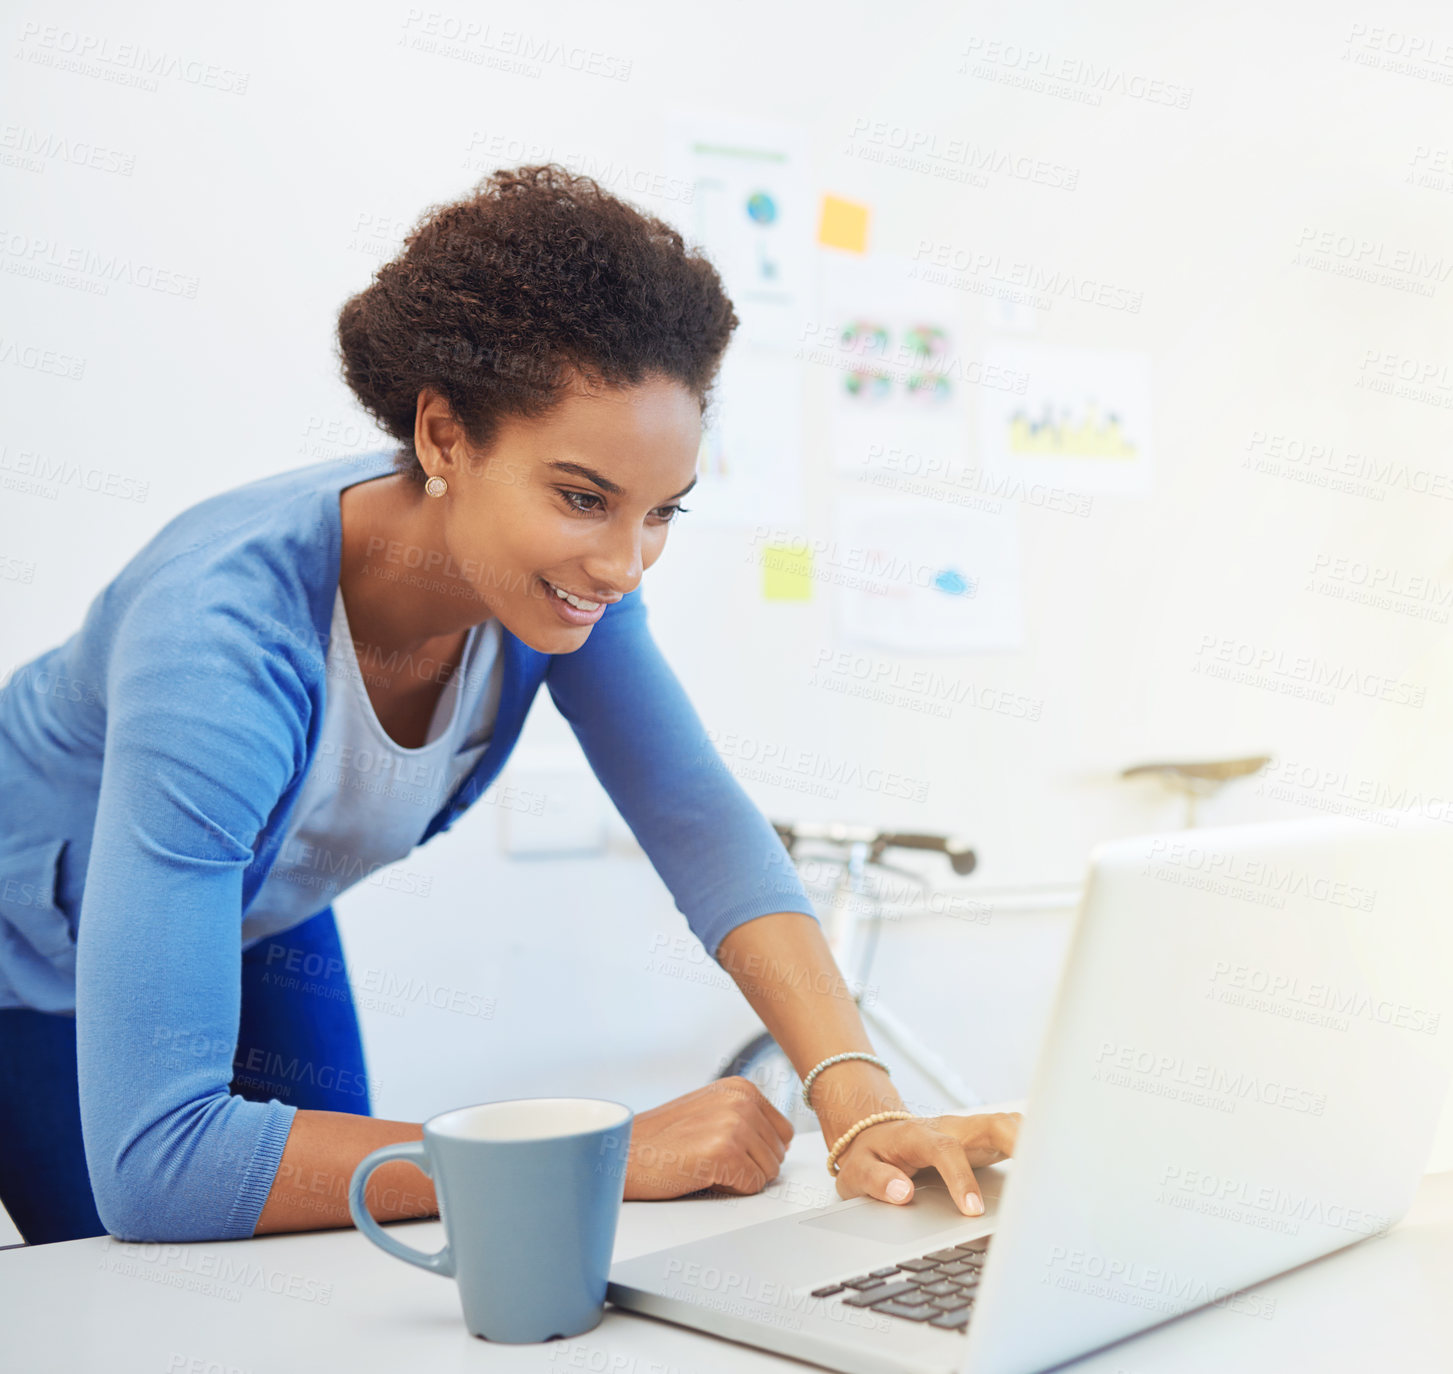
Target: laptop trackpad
930	1212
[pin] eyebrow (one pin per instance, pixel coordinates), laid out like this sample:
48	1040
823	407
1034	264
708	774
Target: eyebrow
604	483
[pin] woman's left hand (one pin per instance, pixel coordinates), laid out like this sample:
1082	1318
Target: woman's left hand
881	1158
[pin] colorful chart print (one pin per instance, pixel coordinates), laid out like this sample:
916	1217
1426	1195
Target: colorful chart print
1066	435
899	370
907	368
1080	419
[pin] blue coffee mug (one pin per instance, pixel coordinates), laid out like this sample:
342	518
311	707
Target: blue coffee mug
529	1192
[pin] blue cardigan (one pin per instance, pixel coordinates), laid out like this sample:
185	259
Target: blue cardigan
150	763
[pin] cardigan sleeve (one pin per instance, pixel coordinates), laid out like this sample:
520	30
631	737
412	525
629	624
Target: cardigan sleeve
206	727
715	851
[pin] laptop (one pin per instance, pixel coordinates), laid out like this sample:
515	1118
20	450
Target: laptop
1243	1071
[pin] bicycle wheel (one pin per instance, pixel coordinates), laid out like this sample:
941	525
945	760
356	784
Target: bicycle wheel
761	1061
743	1060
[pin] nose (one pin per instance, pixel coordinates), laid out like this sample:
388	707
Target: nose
614	566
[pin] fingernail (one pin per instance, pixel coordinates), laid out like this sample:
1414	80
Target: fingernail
973	1205
898	1190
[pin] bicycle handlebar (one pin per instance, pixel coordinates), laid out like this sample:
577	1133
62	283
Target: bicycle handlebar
959	855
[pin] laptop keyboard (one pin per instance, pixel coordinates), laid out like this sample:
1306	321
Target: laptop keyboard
937	1288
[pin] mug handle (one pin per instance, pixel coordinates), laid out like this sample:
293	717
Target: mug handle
441	1261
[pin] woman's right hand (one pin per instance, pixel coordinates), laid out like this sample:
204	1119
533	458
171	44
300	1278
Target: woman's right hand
725	1135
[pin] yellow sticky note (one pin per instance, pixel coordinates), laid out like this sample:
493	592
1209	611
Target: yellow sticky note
786	573
843	224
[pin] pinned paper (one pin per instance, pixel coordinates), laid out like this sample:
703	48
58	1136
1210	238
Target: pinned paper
921	576
747	201
786	573
900	370
1080	420
843	224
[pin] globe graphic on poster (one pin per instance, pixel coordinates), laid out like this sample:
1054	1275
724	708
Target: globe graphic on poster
761	207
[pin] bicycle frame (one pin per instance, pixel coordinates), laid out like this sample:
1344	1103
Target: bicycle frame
845	938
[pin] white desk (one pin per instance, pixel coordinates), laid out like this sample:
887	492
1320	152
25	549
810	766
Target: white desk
325	1300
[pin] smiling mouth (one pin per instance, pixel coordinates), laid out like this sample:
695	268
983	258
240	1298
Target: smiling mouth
580	603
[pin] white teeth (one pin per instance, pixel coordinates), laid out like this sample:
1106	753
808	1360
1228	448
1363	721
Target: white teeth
575	600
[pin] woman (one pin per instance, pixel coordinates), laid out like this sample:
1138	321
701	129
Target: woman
542	353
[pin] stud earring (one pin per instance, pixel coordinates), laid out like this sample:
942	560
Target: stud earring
436	486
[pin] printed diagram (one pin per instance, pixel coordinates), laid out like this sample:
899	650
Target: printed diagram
917	351
914	576
747	207
1081	424
1064	436
899	376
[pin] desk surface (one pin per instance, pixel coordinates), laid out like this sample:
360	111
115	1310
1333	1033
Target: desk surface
330	1299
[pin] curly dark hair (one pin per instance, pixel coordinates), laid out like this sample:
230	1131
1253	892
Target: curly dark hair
498	300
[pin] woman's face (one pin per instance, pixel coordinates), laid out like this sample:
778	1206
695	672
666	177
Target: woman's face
578	502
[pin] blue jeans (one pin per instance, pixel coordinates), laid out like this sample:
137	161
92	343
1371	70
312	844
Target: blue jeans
307	1012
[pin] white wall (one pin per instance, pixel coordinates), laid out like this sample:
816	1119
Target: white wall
281	198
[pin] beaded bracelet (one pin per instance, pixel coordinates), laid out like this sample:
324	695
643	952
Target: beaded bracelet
837	1059
850	1134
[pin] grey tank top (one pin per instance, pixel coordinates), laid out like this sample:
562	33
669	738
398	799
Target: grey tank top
366	800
